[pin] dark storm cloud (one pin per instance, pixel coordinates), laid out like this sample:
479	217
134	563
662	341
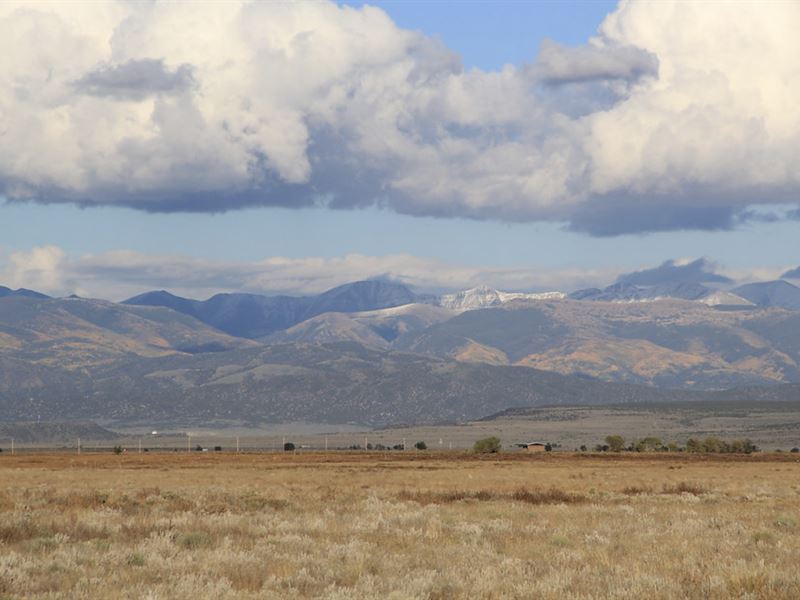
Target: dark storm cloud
612	217
135	80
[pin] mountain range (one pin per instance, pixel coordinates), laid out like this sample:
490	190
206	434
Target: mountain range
376	353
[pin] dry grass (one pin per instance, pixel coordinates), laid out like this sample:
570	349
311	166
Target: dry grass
399	526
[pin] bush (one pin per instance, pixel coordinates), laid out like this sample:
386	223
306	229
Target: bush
421	446
117	449
795	449
615	442
217	448
487	445
288	447
648	444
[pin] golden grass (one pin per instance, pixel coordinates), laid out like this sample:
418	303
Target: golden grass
402	525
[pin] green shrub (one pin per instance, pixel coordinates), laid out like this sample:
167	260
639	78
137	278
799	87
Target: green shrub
487	445
615	442
421	446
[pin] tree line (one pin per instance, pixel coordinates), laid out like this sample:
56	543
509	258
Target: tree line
714	445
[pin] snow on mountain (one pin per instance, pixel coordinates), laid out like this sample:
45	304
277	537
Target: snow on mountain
720	298
484	297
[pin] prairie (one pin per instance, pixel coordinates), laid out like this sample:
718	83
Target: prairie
399	525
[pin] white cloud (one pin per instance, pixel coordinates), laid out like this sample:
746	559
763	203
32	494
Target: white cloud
41	268
677	115
123	273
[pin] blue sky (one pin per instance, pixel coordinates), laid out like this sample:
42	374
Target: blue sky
486	36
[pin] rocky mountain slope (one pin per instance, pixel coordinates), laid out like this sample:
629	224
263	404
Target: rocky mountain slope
254	316
75	332
667	343
333	383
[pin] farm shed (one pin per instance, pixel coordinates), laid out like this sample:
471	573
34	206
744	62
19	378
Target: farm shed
533	446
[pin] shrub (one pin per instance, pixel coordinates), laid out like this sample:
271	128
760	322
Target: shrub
195	539
615	442
684	488
487	445
551	496
421	446
795	449
117	449
694	445
648	444
217	448
288	447
198	448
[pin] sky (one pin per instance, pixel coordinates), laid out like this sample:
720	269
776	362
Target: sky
288	148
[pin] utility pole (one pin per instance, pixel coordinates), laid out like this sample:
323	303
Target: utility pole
404	443
326	443
189	443
12	446
237	444
79	445
140	445
365	442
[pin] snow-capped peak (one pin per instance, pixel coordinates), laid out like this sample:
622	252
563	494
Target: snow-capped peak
483	297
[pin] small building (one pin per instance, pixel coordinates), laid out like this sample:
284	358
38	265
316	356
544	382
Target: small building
533	446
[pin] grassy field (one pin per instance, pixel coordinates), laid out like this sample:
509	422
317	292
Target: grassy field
400	525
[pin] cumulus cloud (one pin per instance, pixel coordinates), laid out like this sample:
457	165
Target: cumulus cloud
676	115
677	271
123	273
40	269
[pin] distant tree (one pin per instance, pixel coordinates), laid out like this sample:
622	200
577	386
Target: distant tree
198	448
694	445
615	442
648	444
583	448
397	447
749	446
421	446
217	448
288	447
117	449
795	450
737	446
712	444
548	447
673	447
487	445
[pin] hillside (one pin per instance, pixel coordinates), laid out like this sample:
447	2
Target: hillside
75	332
253	316
333	383
668	343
